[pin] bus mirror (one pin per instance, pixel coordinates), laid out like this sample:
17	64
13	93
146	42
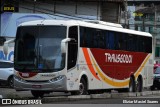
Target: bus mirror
63	44
6	45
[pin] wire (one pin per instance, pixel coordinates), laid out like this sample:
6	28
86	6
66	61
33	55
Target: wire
67	15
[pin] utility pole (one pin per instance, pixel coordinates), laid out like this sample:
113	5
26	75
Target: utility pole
34	6
155	31
155	18
126	18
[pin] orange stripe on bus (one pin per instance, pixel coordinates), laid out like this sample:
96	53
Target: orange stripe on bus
86	55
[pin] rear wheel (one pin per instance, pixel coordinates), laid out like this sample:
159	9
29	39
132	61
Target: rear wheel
131	85
139	85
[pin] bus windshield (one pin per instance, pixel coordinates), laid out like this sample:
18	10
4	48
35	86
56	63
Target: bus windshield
38	48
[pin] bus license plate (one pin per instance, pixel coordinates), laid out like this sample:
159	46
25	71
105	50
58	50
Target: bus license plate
36	86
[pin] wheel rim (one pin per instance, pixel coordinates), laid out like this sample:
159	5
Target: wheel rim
130	88
81	88
11	82
138	85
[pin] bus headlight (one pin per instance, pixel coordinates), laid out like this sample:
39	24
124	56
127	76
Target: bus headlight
18	78
57	78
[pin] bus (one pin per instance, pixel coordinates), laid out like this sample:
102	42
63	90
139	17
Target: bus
81	57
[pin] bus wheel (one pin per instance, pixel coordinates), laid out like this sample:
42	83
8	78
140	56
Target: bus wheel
131	85
37	94
152	87
10	82
139	85
83	87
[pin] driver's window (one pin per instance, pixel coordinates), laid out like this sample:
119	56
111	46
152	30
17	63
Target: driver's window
72	46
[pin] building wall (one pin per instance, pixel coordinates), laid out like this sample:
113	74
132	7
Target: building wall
97	10
147	22
54	9
110	12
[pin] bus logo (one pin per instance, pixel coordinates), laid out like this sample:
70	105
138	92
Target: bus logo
118	58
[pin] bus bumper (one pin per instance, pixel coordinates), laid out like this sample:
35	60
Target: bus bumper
48	85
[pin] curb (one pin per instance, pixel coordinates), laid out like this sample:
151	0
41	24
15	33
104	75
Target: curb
101	96
80	97
119	95
97	96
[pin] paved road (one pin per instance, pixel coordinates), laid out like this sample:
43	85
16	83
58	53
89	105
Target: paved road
8	92
88	105
78	103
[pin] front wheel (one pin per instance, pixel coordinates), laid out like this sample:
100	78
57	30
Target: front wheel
131	85
37	94
152	88
82	88
11	82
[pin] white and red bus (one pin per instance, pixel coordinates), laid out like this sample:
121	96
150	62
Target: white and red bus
81	57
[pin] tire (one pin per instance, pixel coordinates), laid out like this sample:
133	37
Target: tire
37	94
82	88
158	88
152	87
131	85
11	82
139	85
74	93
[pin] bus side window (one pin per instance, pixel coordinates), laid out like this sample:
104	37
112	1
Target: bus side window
95	38
83	39
111	40
148	45
117	41
124	41
135	43
101	41
72	47
107	39
141	44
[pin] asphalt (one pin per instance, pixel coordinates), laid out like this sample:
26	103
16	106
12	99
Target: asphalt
57	97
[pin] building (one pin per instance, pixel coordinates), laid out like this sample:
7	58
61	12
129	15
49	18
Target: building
144	15
27	10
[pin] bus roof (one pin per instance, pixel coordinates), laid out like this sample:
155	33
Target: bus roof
91	24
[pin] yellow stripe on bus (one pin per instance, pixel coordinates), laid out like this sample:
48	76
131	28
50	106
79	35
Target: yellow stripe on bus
115	83
141	67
